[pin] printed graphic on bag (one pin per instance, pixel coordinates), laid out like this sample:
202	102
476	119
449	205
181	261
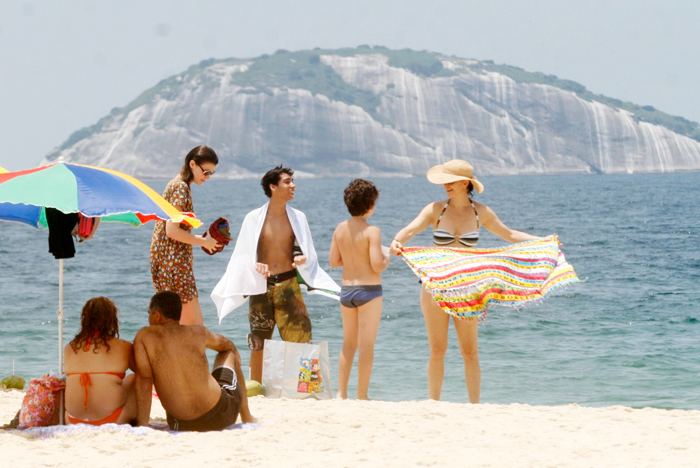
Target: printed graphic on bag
310	380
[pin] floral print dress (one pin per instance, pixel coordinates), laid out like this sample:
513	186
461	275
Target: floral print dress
171	260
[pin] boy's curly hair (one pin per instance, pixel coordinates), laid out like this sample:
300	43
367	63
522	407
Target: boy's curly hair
360	196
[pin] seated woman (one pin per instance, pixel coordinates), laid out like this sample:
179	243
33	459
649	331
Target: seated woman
96	361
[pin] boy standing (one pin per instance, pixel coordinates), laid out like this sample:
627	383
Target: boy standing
356	247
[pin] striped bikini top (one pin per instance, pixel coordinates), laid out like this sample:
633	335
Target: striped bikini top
468	239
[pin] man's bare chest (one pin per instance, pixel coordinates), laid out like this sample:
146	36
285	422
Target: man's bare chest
276	231
276	244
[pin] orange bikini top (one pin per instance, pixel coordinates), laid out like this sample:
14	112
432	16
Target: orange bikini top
86	382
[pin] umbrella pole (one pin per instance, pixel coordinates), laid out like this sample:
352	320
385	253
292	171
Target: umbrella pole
60	335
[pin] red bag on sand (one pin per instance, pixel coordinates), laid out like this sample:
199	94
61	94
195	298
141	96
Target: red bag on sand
219	230
41	404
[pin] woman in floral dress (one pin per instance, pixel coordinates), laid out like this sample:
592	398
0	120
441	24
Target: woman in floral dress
171	244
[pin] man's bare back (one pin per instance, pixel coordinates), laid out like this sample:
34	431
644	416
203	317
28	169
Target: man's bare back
181	375
172	358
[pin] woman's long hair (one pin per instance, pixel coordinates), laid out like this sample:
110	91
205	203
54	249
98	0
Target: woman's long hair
470	190
98	324
199	154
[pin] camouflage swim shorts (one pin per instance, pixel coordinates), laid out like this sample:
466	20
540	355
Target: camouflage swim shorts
281	305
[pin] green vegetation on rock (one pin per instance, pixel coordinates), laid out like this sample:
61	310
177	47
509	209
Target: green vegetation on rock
165	88
305	70
85	132
648	114
423	63
168	87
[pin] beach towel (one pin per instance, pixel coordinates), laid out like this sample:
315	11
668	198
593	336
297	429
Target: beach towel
241	280
220	231
465	282
77	430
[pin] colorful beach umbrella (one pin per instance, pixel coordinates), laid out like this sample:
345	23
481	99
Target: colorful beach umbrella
91	191
465	282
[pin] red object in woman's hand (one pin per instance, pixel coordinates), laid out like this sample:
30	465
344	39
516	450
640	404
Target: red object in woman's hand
219	231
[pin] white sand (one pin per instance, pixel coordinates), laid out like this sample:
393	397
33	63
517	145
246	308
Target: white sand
380	434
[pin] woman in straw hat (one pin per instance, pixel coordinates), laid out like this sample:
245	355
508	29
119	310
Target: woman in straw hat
456	222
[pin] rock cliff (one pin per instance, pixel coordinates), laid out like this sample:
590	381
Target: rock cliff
374	111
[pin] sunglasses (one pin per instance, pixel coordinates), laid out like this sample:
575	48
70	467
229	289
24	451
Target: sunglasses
207	173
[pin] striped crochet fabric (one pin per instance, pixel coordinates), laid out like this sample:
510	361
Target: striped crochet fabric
466	281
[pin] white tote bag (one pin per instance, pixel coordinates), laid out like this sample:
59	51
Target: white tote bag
297	370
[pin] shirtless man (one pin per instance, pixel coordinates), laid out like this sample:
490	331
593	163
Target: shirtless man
172	356
277	259
356	247
273	249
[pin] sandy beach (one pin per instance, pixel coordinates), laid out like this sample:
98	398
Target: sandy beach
351	433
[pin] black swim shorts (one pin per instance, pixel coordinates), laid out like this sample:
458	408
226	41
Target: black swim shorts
223	414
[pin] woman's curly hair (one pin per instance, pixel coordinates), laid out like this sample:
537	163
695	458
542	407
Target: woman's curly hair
98	324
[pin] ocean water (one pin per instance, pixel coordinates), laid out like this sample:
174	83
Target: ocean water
628	335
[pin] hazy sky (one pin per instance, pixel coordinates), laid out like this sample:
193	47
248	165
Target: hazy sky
65	64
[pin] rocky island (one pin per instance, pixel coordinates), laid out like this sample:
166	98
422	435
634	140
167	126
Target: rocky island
381	112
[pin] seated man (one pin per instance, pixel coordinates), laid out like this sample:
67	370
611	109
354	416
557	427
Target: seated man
172	356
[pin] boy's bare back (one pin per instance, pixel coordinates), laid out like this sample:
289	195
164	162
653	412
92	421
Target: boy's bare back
359	247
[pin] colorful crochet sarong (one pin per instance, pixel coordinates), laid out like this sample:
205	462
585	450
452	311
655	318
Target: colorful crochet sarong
466	281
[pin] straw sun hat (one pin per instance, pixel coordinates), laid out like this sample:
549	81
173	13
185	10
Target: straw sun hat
452	171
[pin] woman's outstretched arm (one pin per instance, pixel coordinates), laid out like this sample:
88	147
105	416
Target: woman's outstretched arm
493	224
418	225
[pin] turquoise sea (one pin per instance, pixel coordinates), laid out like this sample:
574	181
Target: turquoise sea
628	335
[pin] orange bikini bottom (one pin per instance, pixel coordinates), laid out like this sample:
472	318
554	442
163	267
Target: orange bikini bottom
112	418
